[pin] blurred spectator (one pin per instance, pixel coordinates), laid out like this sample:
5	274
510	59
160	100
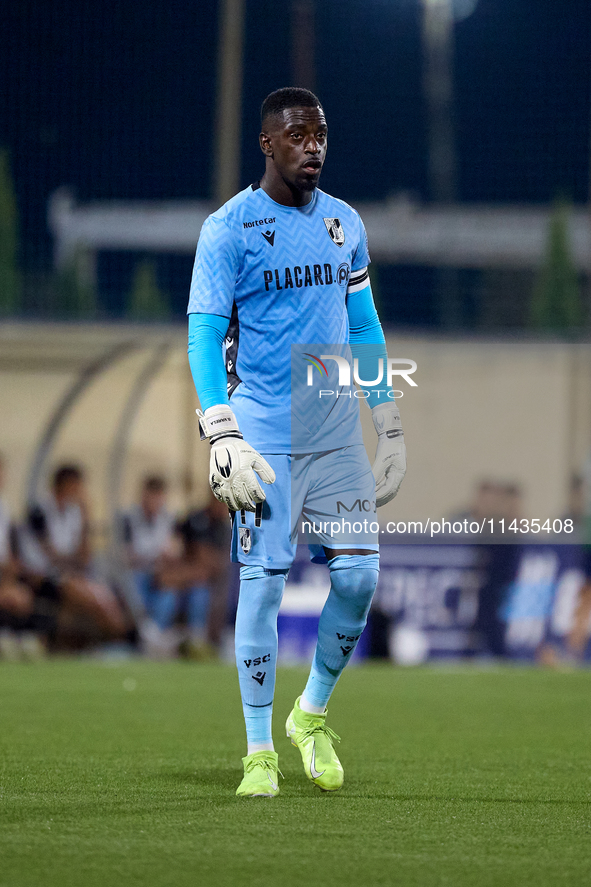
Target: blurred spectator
25	621
579	636
147	534
5	555
579	510
55	554
202	572
581	630
575	509
487	503
59	525
148	527
510	502
501	501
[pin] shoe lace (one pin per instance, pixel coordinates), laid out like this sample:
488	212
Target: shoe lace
315	729
265	763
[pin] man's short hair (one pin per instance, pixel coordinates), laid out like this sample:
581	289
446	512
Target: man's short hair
154	483
66	473
288	97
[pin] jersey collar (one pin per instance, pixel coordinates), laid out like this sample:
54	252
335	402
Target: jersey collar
308	208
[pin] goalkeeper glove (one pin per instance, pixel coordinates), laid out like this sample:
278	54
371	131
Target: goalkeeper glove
389	466
233	462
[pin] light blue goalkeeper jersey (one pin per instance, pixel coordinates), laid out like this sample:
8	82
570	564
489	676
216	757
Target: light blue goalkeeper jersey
281	275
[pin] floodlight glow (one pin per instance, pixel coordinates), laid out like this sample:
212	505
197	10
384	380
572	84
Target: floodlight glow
460	9
463	8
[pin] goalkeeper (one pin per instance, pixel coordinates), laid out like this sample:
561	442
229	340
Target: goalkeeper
283	264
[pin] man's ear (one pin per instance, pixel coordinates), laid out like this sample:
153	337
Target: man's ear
265	142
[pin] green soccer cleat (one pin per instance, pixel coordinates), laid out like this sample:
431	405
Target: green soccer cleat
315	741
260	775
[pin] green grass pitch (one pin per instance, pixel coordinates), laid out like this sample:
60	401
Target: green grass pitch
125	775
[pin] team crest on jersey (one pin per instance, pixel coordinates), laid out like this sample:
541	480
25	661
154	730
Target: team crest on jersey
335	230
245	539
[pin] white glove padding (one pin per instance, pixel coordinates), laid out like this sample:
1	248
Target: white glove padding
233	462
389	466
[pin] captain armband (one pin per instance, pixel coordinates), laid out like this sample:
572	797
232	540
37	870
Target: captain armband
358	281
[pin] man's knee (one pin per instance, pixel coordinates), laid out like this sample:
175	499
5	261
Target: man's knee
262	586
355	577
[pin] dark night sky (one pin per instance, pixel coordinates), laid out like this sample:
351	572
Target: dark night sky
115	98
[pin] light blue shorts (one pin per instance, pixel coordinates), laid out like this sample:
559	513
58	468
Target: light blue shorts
319	499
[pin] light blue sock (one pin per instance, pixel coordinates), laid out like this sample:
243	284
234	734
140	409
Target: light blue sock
261	591
353	580
257	719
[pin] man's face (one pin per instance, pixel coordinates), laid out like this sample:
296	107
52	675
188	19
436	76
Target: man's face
297	144
153	501
69	491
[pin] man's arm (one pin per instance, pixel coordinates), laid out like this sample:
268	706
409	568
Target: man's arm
233	462
206	337
37	525
368	347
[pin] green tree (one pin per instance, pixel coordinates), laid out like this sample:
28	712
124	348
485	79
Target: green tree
556	303
147	301
10	278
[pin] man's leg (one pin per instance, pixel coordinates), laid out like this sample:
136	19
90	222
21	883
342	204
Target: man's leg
351	548
198	600
353	561
95	599
353	580
164	607
143	585
261	538
217	615
261	591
